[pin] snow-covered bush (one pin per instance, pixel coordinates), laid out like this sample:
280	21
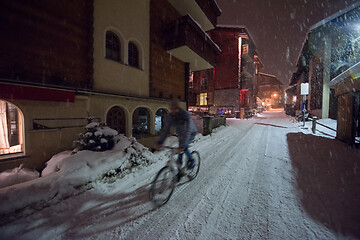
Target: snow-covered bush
97	137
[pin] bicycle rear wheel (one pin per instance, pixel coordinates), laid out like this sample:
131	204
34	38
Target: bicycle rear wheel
192	173
162	186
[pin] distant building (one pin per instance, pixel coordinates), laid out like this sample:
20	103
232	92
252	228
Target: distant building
269	90
329	62
118	61
230	85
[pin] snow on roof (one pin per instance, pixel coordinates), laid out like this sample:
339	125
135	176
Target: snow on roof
346	74
338	14
207	35
266	74
324	21
217	5
230	26
238	27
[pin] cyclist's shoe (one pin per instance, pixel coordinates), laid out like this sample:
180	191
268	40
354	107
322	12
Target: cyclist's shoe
191	164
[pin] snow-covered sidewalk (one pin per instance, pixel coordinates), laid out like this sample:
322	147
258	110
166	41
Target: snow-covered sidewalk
261	178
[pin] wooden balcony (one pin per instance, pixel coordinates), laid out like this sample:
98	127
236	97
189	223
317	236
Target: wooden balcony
185	40
205	12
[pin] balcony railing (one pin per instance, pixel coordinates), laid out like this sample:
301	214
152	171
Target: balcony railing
187	41
205	12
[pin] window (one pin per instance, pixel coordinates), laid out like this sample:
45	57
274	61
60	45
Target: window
133	55
245	48
203	99
11	129
191	80
141	122
160	118
115	119
112	46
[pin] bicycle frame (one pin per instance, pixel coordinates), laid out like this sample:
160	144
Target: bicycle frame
172	162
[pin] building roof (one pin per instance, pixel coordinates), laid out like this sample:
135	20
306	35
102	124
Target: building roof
336	15
266	74
317	25
264	81
237	27
352	72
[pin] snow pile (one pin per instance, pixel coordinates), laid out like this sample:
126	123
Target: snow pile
67	174
17	175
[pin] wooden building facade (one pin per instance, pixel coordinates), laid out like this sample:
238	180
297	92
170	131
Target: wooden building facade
230	86
269	90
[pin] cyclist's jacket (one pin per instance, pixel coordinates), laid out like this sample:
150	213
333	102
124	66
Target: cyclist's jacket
184	125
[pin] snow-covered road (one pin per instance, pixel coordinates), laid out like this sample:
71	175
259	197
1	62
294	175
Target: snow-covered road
247	188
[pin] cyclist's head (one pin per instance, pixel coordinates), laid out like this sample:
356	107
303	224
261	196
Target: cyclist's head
174	106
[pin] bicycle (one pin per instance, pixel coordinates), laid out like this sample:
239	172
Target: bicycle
165	180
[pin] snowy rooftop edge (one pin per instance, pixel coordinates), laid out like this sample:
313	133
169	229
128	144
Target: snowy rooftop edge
348	73
239	27
335	15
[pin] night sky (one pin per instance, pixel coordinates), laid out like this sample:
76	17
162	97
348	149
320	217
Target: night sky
279	27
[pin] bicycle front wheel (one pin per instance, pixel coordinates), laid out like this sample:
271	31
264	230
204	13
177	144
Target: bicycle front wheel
162	186
192	173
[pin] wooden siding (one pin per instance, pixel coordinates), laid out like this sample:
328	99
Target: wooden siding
47	42
227	63
167	73
344	120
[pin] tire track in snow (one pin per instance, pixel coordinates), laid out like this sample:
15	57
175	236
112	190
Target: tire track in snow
225	220
194	189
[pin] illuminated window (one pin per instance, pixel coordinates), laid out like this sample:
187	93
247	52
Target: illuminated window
191	80
245	48
11	129
203	99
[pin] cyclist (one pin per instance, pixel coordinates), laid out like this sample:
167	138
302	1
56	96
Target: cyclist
185	129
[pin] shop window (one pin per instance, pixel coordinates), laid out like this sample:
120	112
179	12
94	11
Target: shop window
203	99
11	129
141	122
116	119
160	119
112	46
133	52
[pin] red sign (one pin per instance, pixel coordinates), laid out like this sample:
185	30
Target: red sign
19	92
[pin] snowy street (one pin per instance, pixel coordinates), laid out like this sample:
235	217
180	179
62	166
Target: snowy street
261	178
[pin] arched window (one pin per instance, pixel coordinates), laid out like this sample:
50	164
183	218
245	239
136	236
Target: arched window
112	46
11	129
160	119
115	119
141	122
133	53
